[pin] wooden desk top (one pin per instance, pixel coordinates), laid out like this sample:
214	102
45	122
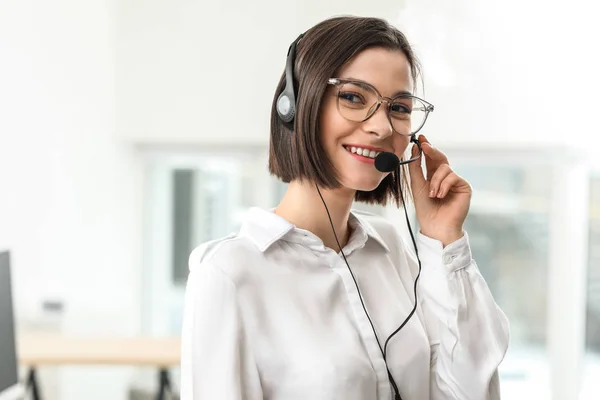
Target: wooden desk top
55	350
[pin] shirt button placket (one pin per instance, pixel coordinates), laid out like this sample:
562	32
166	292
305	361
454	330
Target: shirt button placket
364	327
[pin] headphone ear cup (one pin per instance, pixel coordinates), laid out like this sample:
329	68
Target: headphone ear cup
286	107
286	102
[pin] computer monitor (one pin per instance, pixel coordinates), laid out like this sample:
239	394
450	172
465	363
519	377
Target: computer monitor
8	356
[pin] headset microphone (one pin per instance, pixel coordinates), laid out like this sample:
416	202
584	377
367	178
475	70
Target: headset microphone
388	161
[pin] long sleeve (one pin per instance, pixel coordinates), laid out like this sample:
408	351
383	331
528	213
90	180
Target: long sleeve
216	361
467	331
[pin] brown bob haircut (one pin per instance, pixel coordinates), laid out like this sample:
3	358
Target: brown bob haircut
324	49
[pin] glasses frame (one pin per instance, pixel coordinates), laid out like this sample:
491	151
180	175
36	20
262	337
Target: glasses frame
380	99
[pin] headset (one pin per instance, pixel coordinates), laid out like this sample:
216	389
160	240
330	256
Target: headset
286	102
384	162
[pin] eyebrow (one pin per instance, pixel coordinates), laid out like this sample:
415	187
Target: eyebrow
398	93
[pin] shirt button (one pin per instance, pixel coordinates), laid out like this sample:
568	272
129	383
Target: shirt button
448	259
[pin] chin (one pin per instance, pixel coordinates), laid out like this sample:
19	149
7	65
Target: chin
364	185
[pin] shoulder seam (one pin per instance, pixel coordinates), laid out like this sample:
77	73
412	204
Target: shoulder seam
220	271
214	250
205	262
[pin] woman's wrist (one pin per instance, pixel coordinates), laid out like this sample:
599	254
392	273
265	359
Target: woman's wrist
447	237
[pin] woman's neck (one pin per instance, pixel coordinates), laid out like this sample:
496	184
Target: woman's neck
302	206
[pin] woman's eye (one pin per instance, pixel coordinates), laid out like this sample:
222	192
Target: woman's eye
398	108
351	98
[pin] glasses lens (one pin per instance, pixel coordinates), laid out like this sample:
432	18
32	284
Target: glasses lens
356	101
407	114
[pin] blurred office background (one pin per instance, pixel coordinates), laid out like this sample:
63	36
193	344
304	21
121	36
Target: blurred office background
131	131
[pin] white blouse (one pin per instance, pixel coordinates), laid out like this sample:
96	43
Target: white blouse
271	313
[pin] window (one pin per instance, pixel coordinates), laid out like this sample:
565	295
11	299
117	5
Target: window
182	220
508	227
591	386
192	198
593	287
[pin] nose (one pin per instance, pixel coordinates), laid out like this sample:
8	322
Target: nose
379	123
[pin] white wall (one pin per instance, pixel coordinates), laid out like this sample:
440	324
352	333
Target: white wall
69	194
492	69
181	63
515	74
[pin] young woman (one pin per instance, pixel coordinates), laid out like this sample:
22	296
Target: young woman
314	301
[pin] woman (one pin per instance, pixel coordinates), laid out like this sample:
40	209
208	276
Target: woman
314	301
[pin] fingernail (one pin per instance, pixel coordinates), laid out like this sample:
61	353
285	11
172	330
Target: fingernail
440	194
432	193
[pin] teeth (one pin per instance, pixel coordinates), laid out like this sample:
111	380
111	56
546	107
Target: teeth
363	152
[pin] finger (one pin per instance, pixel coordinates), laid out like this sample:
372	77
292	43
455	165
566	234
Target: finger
433	153
423	141
415	169
450	181
433	159
438	177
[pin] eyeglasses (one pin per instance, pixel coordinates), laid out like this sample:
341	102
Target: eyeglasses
358	101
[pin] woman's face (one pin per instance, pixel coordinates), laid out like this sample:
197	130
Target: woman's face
389	72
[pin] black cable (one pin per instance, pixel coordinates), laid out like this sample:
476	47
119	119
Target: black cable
383	350
416	279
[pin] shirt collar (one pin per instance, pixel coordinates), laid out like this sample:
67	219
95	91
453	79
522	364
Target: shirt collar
370	230
264	227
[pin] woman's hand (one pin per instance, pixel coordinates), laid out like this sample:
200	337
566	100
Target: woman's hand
442	199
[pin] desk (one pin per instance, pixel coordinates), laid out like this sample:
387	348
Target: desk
35	351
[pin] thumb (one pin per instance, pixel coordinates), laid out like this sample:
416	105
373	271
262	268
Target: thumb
417	179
